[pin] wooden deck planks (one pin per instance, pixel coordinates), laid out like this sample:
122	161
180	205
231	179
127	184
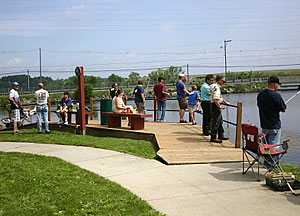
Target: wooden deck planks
183	143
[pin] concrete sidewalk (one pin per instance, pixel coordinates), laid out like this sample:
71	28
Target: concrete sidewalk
199	189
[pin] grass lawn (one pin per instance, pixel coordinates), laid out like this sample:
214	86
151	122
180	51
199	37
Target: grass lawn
135	147
290	168
39	185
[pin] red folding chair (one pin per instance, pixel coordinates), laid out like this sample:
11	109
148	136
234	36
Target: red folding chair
253	147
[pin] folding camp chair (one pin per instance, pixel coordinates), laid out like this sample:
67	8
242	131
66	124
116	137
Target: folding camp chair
254	147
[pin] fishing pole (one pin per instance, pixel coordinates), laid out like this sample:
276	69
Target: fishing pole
292	97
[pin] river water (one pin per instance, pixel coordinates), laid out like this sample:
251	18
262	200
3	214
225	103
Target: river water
290	119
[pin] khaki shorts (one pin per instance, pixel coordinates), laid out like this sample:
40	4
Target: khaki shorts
182	103
191	108
140	107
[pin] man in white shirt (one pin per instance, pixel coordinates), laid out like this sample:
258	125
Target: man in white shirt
15	104
42	96
216	100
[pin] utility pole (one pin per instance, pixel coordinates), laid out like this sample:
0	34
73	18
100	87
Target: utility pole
188	72
40	64
28	80
225	54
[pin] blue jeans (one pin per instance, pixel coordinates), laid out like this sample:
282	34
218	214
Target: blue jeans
161	109
42	112
272	137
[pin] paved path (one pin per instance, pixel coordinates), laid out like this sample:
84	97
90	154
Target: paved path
199	189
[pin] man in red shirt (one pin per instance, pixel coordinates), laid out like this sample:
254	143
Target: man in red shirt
160	93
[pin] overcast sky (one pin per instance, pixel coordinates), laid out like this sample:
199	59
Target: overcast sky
121	36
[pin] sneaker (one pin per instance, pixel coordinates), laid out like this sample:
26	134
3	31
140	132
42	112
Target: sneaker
39	132
48	132
66	122
194	123
182	121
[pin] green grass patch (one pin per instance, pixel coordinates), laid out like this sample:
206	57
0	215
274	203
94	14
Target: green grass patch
290	168
39	185
141	148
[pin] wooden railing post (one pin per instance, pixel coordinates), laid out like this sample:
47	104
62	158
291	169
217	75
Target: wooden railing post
49	110
155	108
91	106
238	124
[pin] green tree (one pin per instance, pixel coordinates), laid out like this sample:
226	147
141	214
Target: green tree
133	77
115	78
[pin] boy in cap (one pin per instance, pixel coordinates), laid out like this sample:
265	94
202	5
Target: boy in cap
15	104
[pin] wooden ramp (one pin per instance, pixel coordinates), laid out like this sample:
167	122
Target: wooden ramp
183	143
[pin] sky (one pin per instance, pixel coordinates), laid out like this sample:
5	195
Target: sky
121	36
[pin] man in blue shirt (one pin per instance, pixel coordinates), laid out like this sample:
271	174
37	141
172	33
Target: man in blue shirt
205	104
139	97
181	94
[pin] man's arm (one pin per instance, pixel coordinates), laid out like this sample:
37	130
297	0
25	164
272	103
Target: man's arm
143	97
217	102
186	91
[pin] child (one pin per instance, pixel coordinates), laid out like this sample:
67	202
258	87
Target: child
194	96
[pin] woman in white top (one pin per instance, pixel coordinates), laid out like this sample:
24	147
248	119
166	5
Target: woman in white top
118	105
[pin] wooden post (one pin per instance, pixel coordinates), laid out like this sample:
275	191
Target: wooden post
155	108
79	73
91	105
49	110
238	124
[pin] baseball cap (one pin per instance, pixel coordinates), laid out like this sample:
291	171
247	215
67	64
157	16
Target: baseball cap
181	75
274	79
15	84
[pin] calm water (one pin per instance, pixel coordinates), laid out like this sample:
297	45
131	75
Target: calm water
290	119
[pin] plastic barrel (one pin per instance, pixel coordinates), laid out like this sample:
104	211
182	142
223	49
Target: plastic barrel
105	106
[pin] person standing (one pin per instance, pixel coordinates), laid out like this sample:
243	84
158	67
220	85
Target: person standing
205	104
270	104
193	98
113	90
216	101
42	96
15	104
139	97
181	96
160	93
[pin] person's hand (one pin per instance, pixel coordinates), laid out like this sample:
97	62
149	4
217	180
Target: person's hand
220	108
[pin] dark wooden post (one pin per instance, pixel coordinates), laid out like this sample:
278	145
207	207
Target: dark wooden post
80	75
155	108
91	105
238	124
49	110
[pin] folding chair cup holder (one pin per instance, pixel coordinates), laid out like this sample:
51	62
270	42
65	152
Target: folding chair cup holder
281	185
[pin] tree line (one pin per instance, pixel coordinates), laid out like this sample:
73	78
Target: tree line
170	75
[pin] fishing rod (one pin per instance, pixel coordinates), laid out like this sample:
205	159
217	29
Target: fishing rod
292	97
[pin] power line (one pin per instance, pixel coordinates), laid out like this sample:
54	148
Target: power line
149	10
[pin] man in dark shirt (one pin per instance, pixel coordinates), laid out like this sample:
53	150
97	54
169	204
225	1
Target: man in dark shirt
160	93
139	97
270	104
62	108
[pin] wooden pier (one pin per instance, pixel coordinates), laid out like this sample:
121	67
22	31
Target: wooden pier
181	143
